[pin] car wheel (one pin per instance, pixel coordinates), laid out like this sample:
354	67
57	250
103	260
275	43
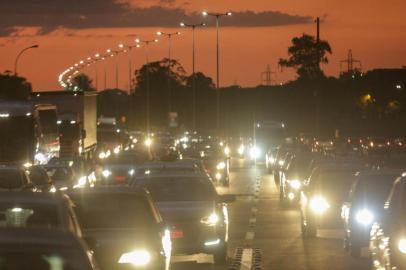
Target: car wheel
220	256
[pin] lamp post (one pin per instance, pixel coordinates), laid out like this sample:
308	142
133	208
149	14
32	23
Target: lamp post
193	27
147	42
129	48
169	36
217	16
112	54
19	55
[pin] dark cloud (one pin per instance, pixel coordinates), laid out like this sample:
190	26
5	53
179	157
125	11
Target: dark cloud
50	15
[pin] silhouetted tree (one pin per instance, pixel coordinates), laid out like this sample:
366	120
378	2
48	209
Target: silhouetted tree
13	87
305	55
82	82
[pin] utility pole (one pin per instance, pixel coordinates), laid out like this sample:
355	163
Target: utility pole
317	92
266	76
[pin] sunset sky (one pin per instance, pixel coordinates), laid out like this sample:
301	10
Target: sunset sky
257	34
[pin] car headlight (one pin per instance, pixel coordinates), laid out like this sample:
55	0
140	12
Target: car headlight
402	245
211	220
227	151
255	152
364	217
295	184
221	166
148	142
272	160
106	173
102	155
82	181
319	205
281	162
241	150
136	258
131	172
116	150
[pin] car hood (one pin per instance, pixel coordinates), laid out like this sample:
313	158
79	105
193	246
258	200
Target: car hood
187	211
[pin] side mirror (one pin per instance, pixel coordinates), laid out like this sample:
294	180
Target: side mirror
226	198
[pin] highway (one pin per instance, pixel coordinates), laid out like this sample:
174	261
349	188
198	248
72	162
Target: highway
264	235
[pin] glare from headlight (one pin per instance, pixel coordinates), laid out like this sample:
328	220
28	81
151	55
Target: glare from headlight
241	150
136	258
116	150
102	155
211	220
281	162
221	166
255	152
131	172
148	142
218	176
364	217
295	184
82	181
272	160
106	173
227	151
402	245
319	205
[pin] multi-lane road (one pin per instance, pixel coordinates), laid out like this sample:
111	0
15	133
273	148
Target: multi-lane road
265	236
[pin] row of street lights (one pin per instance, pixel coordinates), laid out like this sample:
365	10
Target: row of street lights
66	76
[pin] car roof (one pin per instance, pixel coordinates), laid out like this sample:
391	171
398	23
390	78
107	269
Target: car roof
173	174
190	163
33	197
10	167
37	236
109	190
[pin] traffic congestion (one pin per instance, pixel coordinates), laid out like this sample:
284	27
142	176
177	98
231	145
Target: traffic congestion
144	201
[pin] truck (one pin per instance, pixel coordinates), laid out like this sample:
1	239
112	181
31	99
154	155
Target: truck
29	133
77	117
267	135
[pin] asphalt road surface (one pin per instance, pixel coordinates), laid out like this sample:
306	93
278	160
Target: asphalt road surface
265	236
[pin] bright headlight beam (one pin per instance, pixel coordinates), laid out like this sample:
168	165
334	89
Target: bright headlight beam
136	258
211	220
221	166
319	205
295	184
364	217
106	173
402	245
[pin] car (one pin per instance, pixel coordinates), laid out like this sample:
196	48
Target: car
293	177
43	249
121	169
41	180
25	209
14	178
322	197
365	206
62	176
388	238
196	214
193	166
123	227
217	164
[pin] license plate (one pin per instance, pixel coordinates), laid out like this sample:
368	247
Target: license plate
176	234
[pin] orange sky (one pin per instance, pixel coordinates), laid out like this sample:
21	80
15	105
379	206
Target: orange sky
374	30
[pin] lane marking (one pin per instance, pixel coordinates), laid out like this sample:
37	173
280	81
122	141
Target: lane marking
252	220
254	209
246	260
249	236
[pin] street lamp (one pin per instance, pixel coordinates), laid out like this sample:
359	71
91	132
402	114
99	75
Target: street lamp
147	42
217	16
193	27
129	48
112	54
169	36
20	53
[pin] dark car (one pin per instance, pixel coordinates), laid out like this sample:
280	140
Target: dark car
322	197
293	177
25	209
41	180
123	227
388	236
14	178
120	169
62	176
41	249
217	164
195	212
365	206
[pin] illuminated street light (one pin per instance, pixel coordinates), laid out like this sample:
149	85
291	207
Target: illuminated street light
129	48
217	16
147	42
19	55
193	27
112	54
169	36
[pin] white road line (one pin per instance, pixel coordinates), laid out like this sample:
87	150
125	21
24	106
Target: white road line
254	209
249	236
252	220
246	260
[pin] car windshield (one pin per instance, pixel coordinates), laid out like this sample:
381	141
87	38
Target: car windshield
112	211
178	188
374	188
334	181
39	257
11	179
59	174
20	215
